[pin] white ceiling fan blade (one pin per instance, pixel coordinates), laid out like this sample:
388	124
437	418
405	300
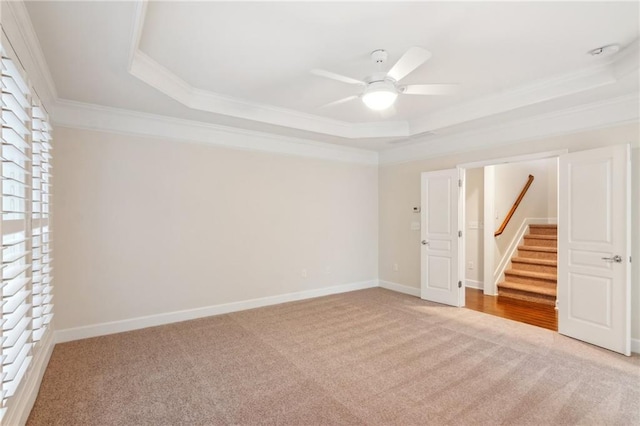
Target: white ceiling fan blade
340	101
412	59
338	77
430	89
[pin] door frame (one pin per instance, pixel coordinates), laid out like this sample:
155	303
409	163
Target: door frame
489	284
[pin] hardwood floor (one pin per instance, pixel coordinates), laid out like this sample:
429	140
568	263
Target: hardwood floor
531	313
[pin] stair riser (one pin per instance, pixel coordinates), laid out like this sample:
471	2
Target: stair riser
529	280
552	232
537	254
542	231
534	268
529	297
531	240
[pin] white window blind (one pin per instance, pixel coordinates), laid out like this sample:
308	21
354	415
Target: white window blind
16	267
40	225
26	307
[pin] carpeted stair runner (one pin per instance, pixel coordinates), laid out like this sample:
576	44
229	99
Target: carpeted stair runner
534	270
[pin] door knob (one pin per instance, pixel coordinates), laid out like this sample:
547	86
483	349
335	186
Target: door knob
615	258
425	242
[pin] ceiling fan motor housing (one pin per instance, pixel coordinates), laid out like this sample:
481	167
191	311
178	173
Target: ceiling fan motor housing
386	85
378	76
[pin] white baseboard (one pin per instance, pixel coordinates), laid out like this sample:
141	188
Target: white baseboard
20	405
77	333
400	288
70	334
474	284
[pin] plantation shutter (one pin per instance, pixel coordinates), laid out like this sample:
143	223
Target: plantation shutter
15	256
26	291
40	223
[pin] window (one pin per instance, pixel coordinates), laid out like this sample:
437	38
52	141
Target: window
25	228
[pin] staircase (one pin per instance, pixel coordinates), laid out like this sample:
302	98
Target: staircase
534	270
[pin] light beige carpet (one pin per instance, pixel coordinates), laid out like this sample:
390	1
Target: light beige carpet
366	357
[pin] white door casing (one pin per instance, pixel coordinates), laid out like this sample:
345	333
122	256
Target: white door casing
594	247
462	257
439	237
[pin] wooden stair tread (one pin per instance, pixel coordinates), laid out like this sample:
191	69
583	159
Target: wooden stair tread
529	288
543	225
530	260
532	274
539	248
541	236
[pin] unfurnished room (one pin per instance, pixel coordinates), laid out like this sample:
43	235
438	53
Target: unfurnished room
320	212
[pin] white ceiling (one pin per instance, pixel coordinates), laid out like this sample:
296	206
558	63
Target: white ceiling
248	64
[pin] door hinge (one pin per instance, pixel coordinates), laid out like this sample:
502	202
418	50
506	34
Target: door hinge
459	233
629	259
459	183
459	284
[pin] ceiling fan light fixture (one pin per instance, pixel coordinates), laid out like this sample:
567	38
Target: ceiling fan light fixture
380	95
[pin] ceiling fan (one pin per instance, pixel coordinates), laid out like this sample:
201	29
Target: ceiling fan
381	88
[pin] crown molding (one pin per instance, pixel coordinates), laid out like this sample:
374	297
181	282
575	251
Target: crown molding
540	91
159	77
628	60
602	114
96	117
17	26
136	32
617	111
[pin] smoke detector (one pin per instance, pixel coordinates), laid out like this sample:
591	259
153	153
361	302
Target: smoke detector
603	51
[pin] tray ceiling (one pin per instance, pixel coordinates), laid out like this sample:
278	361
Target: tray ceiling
247	64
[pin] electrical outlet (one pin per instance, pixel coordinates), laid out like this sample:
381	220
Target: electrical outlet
470	265
303	274
395	267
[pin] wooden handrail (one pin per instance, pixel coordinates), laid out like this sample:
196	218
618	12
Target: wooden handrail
514	207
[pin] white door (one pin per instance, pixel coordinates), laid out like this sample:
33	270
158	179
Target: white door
594	247
439	232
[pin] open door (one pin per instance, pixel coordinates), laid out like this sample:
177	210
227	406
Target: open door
439	250
594	247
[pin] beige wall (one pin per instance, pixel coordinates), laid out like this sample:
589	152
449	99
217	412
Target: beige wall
400	190
147	226
539	201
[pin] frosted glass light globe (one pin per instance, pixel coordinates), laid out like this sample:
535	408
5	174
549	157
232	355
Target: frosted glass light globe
380	95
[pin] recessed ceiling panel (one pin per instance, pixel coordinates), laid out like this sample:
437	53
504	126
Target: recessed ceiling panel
263	52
